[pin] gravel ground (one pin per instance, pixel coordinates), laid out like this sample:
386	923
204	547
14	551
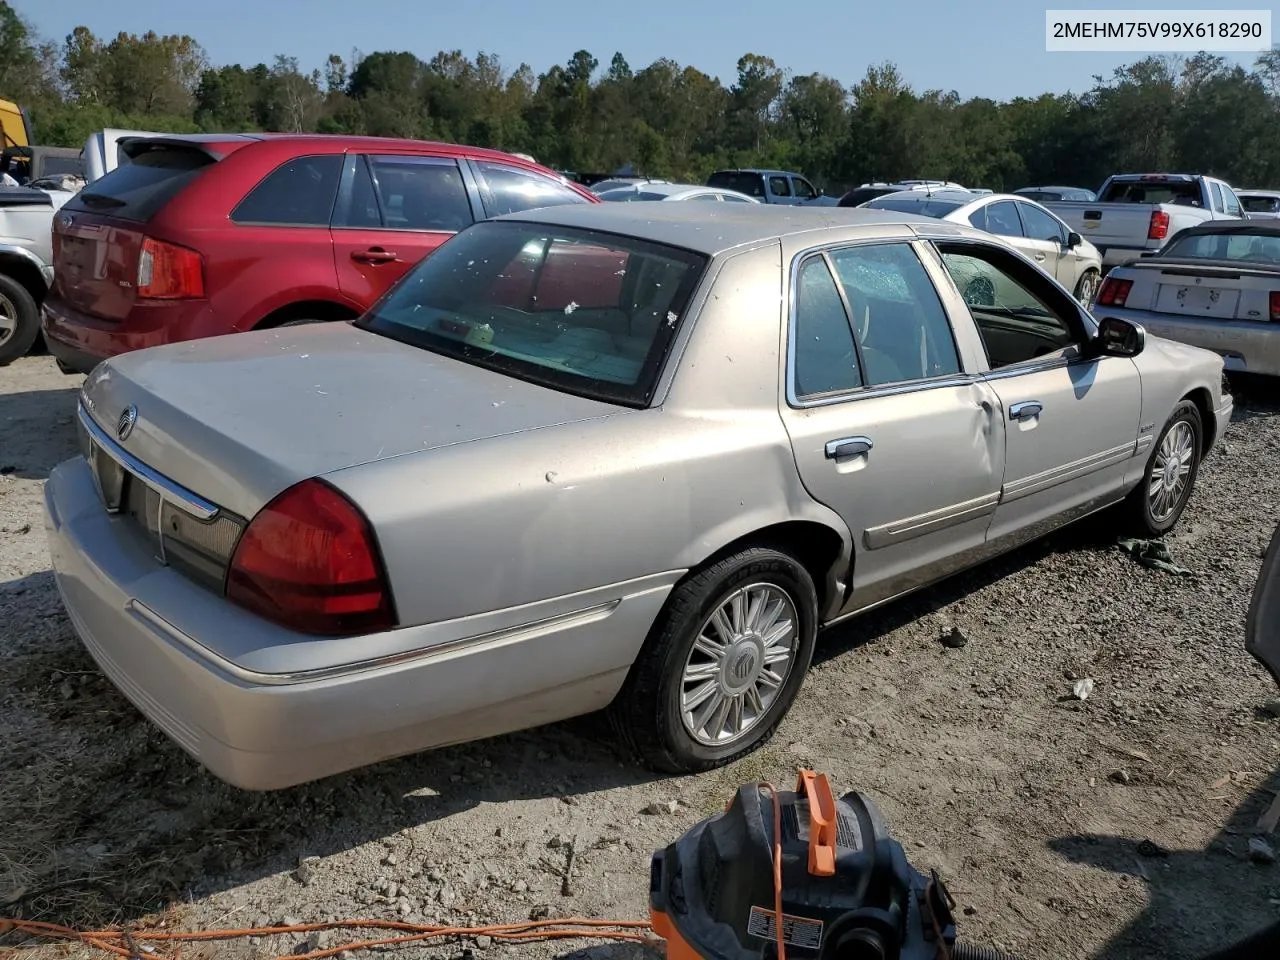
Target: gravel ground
1031	804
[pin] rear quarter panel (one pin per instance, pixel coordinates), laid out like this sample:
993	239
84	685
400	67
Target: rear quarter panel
251	270
486	525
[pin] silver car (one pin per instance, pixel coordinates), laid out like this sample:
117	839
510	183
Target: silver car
1216	285
623	456
674	191
1023	223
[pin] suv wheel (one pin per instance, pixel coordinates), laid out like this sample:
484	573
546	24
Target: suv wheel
19	320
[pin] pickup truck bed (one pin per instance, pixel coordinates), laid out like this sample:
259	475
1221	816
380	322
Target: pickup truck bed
1136	214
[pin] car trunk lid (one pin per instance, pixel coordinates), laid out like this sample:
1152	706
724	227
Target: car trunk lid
98	235
238	419
1196	289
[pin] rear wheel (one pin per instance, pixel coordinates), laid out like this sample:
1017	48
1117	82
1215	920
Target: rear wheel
1087	288
722	664
1155	506
19	320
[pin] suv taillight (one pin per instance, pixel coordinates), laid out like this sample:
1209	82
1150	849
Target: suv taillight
1114	292
167	271
1159	228
308	561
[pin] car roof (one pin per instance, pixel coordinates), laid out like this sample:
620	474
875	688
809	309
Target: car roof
671	189
1257	193
712	229
237	140
759	170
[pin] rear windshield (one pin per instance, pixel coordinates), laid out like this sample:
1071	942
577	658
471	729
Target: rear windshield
924	206
752	184
588	313
1259	204
855	198
139	189
60	166
1255	247
1182	192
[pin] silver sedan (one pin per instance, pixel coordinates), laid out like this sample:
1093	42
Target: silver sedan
612	456
1216	285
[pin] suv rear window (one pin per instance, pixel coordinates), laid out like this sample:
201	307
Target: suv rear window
752	184
139	189
588	313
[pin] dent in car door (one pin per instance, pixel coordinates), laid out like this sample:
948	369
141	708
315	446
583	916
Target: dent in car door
392	211
1071	424
912	466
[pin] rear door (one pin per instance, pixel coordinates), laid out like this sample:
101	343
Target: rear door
780	190
98	233
393	210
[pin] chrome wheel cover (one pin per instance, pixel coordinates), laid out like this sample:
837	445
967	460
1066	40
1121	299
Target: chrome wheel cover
742	657
1171	471
8	318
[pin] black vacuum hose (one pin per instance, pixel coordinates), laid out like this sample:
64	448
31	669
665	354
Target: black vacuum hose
971	951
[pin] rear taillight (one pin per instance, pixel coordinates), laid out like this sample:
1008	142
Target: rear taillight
1159	228
1273	304
167	271
1114	292
309	562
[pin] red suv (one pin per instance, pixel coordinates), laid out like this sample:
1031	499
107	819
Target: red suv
202	235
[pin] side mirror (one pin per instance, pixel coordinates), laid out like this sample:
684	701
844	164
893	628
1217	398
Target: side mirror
1074	240
1118	338
1262	629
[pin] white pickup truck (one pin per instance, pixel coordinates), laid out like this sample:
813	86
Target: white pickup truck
1136	213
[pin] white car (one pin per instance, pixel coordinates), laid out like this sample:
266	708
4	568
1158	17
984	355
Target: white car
674	191
1024	224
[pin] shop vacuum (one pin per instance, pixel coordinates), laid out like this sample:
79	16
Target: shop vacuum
800	875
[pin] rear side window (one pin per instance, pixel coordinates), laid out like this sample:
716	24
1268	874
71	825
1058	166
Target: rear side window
139	189
298	193
825	359
779	187
508	189
1002	219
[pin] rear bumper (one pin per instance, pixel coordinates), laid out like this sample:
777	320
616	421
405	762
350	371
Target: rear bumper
82	341
154	634
1245	346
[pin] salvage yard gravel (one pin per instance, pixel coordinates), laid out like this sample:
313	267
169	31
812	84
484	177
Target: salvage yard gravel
1039	808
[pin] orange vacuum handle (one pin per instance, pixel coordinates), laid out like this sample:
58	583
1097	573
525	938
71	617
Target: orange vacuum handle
822	822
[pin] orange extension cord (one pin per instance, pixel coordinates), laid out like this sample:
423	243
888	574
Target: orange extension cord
125	943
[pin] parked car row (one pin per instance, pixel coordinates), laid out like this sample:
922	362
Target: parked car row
585	456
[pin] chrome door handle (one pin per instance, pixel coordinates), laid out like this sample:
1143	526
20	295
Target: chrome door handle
1028	410
848	447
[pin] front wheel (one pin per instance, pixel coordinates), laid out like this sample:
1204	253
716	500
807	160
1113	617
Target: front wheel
1087	288
1157	503
722	664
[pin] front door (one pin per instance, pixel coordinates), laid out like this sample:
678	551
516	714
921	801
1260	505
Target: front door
393	211
1071	423
887	429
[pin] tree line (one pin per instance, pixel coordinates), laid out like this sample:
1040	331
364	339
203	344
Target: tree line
1199	114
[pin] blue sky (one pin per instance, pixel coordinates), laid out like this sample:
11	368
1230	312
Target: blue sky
991	48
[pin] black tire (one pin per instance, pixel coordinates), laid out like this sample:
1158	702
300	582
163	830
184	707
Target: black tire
1087	288
646	713
1140	517
25	313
